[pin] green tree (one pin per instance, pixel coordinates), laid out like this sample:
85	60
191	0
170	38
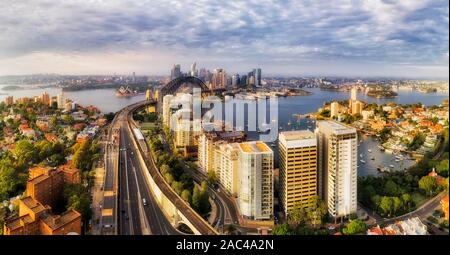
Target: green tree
212	178
9	180
281	230
186	195
177	187
25	154
297	215
428	184
78	199
169	178
354	227
391	188
406	201
442	168
316	212
397	204
386	205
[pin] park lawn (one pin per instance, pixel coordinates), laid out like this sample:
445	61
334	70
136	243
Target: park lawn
418	199
147	125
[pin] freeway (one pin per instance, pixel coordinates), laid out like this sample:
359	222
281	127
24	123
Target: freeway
196	220
136	216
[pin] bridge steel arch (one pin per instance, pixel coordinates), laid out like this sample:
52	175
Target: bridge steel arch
172	86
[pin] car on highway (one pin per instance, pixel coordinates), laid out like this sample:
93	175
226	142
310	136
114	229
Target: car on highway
144	202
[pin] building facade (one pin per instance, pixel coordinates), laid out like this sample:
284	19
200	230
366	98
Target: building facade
337	169
298	169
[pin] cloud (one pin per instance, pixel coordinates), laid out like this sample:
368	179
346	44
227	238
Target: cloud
256	32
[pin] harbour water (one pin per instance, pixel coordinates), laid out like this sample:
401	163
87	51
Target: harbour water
106	101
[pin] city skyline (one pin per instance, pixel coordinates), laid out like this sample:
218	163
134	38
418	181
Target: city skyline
284	38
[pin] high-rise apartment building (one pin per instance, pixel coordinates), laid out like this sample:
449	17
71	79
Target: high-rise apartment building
61	100
298	169
9	100
337	170
45	98
226	165
255	198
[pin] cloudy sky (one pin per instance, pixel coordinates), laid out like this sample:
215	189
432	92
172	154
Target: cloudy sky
403	38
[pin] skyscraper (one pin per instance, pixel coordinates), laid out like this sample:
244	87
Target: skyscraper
219	79
235	80
175	72
298	169
61	100
194	71
257	76
337	177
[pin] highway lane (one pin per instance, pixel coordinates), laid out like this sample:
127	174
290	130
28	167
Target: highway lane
129	193
152	216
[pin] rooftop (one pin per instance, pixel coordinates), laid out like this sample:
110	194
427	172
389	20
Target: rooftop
254	147
57	221
297	135
33	204
335	127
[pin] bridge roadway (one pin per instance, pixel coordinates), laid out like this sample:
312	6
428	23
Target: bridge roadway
195	219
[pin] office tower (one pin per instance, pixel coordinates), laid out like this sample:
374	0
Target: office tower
251	79
219	79
243	81
334	109
194	71
167	112
235	80
298	169
337	171
357	107
256	184
134	77
61	100
257	77
175	72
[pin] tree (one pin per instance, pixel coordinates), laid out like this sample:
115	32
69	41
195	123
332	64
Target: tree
406	200
25	154
169	178
391	188
316	212
186	195
281	230
386	205
397	203
428	184
355	227
164	169
212	177
78	199
376	200
177	187
297	215
8	180
442	168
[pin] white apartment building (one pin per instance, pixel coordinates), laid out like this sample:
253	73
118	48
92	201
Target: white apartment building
255	198
337	178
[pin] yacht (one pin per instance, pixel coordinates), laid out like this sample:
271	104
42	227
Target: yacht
369	150
372	158
363	161
391	166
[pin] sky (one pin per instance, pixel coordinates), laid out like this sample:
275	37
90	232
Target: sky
365	38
